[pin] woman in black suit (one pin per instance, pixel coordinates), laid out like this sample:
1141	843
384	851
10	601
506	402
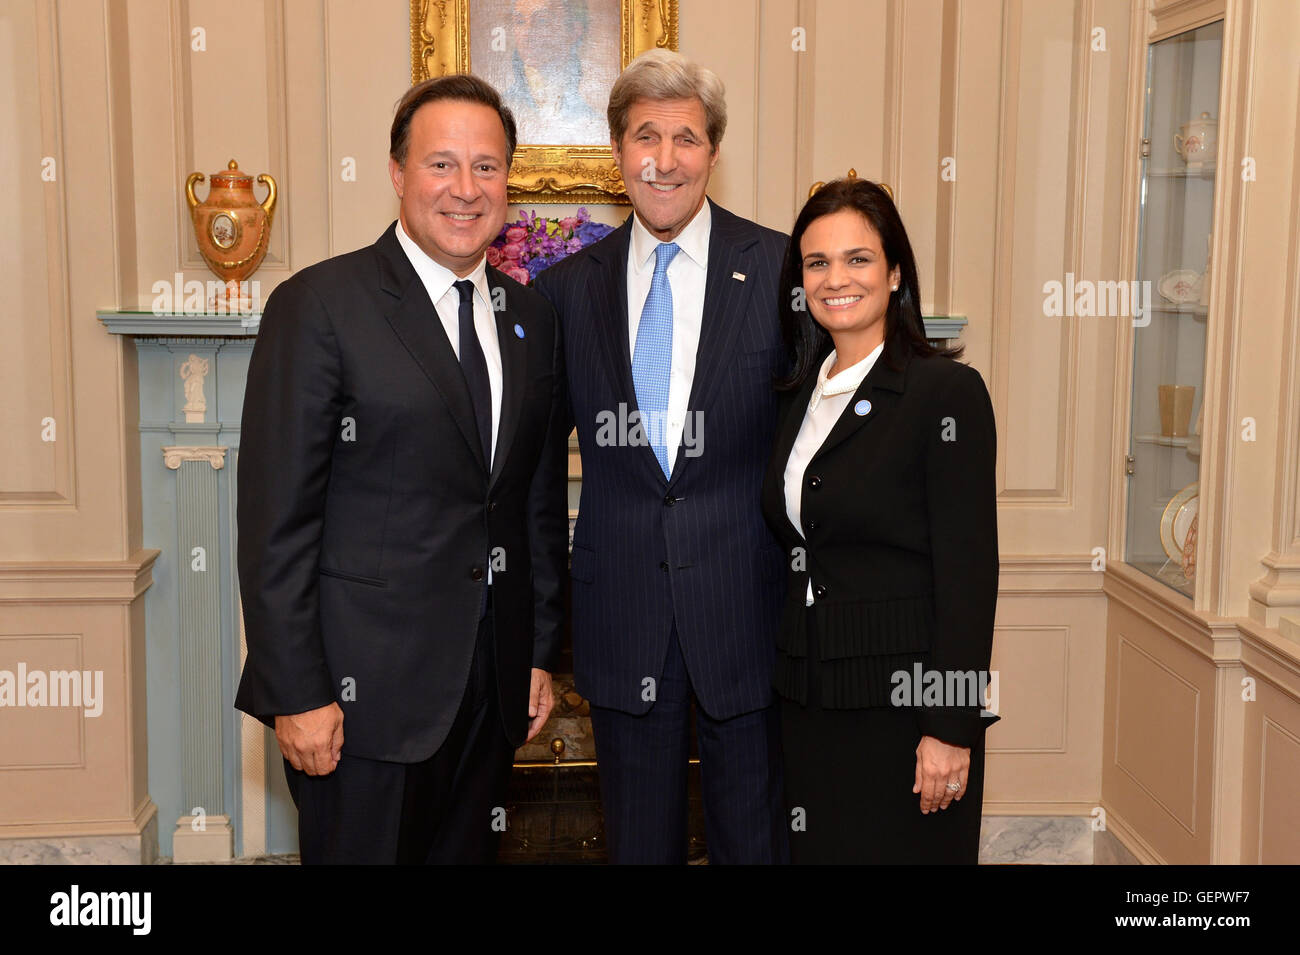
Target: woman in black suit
881	487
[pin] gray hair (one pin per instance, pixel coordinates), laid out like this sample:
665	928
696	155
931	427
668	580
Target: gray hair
663	74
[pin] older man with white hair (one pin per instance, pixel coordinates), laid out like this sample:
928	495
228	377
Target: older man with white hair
671	343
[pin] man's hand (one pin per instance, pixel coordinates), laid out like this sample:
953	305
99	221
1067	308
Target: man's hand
313	741
540	702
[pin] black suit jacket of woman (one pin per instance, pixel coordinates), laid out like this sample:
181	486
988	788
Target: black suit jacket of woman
899	505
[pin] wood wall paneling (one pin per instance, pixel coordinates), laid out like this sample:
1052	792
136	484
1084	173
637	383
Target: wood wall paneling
36	365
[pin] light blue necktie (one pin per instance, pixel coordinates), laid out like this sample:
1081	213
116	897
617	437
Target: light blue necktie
652	360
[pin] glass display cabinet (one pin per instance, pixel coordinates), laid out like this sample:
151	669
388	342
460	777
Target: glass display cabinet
1176	204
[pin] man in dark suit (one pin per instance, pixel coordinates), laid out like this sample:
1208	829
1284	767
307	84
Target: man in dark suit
402	515
671	340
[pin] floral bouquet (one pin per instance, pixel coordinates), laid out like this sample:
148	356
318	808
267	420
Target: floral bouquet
534	242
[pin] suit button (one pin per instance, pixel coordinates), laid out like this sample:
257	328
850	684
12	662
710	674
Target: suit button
476	573
812	525
819	590
815	482
492	505
669	501
663	565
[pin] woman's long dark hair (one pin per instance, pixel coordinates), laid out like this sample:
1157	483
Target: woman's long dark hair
805	340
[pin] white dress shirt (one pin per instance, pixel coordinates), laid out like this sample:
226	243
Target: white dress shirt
439	282
686	275
830	399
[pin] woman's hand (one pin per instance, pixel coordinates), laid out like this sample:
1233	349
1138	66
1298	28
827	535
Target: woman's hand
938	764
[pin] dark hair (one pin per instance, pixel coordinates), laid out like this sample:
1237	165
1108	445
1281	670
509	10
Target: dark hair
805	340
465	87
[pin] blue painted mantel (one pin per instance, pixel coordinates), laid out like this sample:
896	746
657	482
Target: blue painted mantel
214	772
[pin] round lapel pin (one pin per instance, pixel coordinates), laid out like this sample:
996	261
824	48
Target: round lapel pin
519	330
862	408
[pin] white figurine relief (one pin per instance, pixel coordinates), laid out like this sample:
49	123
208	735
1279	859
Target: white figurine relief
194	371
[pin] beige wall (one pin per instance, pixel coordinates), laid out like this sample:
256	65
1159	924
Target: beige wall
1042	129
71	568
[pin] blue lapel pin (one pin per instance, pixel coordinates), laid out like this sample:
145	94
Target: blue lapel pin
862	408
519	330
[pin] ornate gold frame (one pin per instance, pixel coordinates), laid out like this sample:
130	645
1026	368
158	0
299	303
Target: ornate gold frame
542	173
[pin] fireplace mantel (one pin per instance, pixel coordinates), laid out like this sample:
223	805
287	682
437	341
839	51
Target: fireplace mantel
187	324
180	324
207	762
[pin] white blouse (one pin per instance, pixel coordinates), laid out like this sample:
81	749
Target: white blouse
830	399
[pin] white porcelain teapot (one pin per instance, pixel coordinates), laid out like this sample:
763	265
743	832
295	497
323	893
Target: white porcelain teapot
1198	141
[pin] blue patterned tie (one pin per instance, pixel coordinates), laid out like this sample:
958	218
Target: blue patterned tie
653	358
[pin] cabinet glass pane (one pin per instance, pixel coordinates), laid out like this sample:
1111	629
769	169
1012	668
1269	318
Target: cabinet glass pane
1177	204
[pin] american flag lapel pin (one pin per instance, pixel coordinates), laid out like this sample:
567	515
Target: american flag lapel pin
738	276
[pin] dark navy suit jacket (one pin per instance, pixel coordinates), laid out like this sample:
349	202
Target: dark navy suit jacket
649	552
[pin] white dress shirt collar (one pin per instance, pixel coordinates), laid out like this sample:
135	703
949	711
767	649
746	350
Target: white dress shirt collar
846	382
693	240
437	278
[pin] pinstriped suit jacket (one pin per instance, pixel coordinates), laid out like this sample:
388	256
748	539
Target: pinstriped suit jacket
649	552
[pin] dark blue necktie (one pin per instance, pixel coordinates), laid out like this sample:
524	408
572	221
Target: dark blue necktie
474	366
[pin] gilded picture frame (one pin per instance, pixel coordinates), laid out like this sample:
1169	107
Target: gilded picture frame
544	172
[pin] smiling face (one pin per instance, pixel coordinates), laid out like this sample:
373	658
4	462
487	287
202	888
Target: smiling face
847	281
452	185
665	159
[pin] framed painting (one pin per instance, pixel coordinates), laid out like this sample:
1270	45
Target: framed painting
554	62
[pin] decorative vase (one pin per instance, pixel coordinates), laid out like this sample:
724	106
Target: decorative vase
231	226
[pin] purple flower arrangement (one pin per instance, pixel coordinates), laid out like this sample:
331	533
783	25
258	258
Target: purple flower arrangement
534	242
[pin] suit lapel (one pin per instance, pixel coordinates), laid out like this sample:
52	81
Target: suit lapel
609	296
787	432
725	301
415	322
514	374
878	391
